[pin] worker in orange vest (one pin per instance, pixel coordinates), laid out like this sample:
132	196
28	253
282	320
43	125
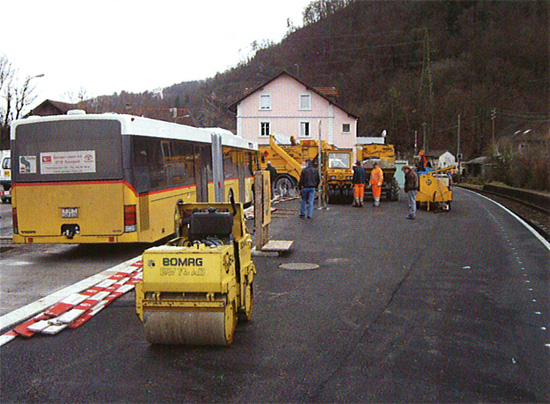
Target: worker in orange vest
376	180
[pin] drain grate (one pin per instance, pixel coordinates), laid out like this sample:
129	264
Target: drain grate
299	266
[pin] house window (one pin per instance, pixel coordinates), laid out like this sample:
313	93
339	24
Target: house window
265	129
305	129
265	101
305	102
346	128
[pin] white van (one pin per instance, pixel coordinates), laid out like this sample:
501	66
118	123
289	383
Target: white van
5	176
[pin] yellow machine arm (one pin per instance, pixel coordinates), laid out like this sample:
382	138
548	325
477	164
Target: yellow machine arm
294	167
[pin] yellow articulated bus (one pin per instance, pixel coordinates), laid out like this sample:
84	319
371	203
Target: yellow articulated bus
112	178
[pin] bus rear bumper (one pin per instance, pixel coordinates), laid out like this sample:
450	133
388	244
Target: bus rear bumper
77	239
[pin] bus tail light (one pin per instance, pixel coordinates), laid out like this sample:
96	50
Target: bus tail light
130	218
15	222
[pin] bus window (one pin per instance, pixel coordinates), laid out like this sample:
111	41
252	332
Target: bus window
230	164
183	164
141	165
157	170
251	160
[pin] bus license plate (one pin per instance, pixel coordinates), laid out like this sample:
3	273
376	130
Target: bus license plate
69	213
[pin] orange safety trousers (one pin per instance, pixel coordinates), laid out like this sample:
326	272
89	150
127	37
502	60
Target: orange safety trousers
376	191
358	190
376	177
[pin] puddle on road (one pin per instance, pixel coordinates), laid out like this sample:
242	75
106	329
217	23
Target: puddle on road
337	261
17	263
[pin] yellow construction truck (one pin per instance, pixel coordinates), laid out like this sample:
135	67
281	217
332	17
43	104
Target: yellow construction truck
384	154
288	160
196	287
338	171
337	175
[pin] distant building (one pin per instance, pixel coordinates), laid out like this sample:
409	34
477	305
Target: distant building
286	105
51	107
478	167
440	158
176	115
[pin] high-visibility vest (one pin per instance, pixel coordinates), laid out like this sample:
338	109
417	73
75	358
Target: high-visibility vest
376	176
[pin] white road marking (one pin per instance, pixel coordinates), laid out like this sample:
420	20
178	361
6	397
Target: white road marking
23	313
519	219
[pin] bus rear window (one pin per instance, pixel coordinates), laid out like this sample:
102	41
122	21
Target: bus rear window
70	150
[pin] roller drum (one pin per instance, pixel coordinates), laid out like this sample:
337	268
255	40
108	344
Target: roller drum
190	327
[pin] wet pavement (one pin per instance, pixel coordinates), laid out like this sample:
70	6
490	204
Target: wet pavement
451	307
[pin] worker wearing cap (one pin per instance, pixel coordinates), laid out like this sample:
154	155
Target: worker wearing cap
411	189
359	179
376	180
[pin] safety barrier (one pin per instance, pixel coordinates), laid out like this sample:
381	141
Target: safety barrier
78	308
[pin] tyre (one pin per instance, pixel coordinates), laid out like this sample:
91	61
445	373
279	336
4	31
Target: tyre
394	191
285	186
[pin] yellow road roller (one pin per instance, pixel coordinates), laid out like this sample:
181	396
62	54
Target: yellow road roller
197	286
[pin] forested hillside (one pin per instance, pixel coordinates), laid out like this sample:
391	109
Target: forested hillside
400	64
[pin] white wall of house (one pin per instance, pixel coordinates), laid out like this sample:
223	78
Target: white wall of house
288	107
446	160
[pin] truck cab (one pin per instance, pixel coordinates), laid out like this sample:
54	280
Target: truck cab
5	176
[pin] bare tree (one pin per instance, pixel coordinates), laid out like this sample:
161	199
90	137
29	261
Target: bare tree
77	97
16	96
24	95
6	78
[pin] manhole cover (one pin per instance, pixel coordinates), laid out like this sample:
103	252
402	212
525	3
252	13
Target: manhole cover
299	266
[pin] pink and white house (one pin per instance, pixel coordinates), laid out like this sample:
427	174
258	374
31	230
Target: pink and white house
287	106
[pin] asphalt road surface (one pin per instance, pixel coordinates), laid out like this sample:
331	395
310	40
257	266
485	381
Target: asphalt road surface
452	307
5	220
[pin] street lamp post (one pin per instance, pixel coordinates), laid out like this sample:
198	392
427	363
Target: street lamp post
22	100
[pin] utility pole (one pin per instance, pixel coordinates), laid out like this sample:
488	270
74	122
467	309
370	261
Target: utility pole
493	117
426	84
424	124
323	203
458	138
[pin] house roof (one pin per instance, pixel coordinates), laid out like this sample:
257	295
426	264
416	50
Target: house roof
62	107
328	91
478	160
177	115
328	95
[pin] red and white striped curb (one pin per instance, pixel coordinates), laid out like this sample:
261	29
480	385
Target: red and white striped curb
74	310
249	212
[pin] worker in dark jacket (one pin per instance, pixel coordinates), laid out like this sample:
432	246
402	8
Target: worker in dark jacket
411	188
272	176
359	180
309	180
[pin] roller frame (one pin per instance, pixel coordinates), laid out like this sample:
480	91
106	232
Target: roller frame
198	317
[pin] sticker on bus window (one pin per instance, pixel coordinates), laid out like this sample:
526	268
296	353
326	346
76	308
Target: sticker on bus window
27	164
73	162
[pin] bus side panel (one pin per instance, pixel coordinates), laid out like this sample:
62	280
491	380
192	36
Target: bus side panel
232	185
97	209
162	206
